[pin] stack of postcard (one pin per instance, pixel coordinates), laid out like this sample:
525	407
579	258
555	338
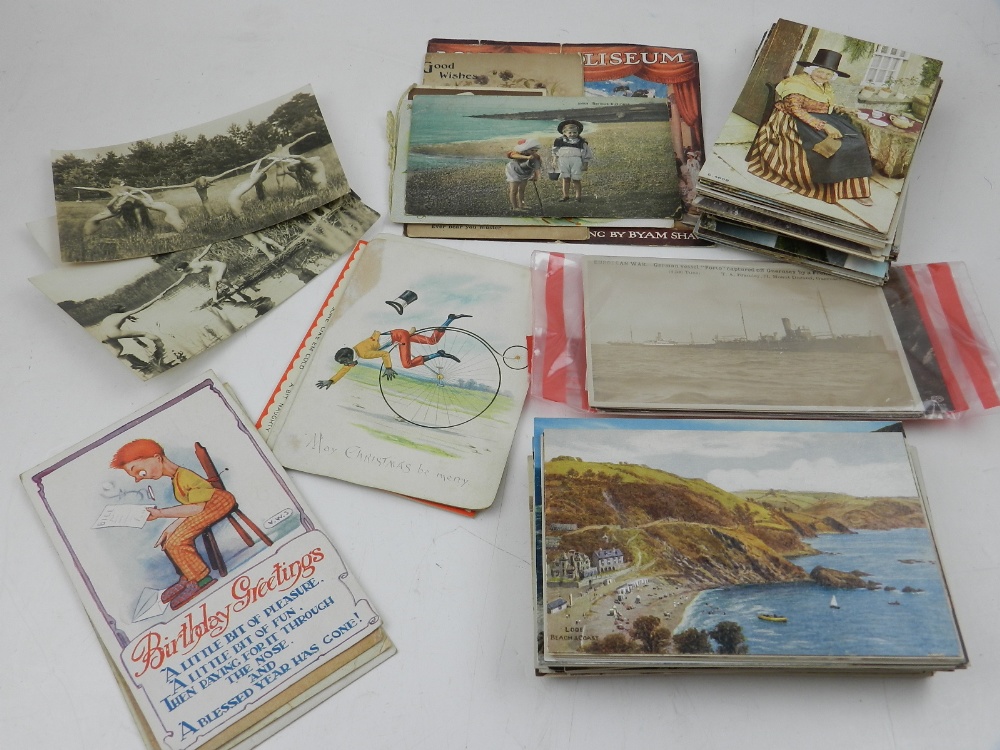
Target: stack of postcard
812	164
224	611
751	544
203	230
412	377
591	143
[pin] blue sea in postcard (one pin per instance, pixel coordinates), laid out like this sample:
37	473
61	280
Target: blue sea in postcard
446	119
867	623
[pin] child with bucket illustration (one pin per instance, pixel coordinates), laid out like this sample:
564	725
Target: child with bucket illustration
572	155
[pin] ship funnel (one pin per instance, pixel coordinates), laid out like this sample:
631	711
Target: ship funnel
789	331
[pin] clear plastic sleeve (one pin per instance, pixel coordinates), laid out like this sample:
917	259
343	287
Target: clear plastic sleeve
949	349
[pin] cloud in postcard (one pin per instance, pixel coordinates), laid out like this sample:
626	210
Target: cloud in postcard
822	475
652	447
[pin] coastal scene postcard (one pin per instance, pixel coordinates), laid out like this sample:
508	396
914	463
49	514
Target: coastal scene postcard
220	604
741	337
508	157
752	543
412	377
826	125
155	313
203	184
557	75
631	71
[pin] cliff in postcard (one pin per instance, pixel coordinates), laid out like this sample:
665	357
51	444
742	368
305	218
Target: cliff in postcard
824	512
690	529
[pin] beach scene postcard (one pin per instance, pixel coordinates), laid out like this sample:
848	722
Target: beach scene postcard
514	158
753	336
412	376
785	542
202	184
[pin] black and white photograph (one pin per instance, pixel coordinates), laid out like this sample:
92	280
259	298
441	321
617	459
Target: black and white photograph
203	184
155	313
754	336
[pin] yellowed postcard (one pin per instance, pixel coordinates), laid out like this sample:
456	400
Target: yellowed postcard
557	74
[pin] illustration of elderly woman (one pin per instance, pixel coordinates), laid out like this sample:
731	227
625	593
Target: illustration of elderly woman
808	145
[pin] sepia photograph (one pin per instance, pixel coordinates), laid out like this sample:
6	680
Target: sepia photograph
754	336
155	313
499	156
207	183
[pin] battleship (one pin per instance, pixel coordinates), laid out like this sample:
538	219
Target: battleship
797	339
792	339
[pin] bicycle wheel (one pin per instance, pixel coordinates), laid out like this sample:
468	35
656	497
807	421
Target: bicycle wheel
441	392
516	357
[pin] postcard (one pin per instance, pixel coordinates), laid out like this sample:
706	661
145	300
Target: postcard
746	337
628	71
412	377
203	184
792	249
483	156
155	313
826	125
228	610
744	543
556	74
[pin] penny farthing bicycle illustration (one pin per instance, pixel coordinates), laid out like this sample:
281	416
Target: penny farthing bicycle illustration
447	392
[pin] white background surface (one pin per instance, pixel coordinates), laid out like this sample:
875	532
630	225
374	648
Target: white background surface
455	593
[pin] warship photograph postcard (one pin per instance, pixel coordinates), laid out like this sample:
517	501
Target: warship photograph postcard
753	337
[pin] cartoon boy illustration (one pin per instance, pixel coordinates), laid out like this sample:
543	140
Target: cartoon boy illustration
523	166
200	505
373	348
572	155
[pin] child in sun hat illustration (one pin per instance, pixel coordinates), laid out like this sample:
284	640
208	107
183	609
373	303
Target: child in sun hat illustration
523	166
572	155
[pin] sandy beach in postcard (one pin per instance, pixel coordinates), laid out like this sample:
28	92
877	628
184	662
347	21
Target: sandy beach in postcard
591	615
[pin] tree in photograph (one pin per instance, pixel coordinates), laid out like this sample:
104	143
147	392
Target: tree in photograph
616	643
729	636
650	634
692	641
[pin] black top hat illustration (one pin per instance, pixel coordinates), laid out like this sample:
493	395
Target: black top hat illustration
826	58
402	301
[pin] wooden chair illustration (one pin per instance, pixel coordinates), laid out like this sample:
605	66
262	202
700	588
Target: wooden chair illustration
215	559
768	109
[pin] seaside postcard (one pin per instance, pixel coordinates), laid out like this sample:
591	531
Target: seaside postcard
753	337
412	377
221	606
501	159
626	71
736	543
203	184
155	313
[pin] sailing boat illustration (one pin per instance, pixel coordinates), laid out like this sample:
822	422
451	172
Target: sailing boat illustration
833	602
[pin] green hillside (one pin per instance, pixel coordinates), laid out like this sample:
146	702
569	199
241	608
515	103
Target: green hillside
691	530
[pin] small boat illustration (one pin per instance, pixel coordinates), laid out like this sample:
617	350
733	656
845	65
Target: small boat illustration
772	618
833	602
